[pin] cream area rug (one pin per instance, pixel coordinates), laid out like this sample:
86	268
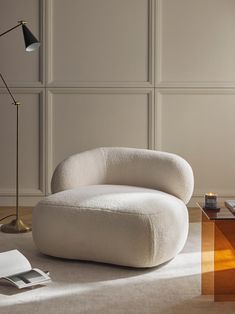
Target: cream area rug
87	288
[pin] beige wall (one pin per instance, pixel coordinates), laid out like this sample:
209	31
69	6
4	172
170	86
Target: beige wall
156	74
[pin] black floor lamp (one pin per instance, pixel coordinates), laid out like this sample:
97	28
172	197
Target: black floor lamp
31	44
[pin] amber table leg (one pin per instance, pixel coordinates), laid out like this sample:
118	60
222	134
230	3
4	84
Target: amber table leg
224	262
218	258
207	249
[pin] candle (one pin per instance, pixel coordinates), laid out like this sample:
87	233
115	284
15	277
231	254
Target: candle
211	201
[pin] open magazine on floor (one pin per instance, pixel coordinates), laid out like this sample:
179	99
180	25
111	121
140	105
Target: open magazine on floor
15	268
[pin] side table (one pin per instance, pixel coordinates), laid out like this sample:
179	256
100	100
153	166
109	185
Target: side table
218	253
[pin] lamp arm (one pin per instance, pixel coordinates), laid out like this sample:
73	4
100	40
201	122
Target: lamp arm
9	30
9	91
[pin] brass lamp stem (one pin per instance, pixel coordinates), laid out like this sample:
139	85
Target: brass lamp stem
31	44
17	161
16	225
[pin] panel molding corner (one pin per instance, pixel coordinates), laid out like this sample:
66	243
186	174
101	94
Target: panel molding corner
51	81
159	81
40	65
42	137
49	113
199	192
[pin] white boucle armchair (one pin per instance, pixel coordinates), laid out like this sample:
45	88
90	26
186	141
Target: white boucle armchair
116	205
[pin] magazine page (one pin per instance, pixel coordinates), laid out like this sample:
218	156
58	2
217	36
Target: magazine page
30	278
13	262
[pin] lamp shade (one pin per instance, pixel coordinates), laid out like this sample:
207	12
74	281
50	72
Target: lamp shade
31	42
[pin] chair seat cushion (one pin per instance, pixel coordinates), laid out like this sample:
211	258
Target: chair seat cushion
116	224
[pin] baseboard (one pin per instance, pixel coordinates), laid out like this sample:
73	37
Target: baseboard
23	201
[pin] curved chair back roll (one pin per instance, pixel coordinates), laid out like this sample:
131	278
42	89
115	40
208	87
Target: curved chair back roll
126	166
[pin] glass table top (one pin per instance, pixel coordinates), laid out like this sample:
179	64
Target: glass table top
217	214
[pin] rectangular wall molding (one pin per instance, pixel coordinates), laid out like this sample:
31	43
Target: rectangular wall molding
31	162
196	54
142	102
138	73
112	70
195	124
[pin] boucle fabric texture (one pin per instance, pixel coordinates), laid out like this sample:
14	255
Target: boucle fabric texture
126	166
100	211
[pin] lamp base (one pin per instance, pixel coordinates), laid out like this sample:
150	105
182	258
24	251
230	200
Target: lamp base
15	226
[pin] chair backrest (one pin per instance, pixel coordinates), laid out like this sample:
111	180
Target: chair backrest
126	166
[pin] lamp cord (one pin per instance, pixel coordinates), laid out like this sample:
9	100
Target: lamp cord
7	216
